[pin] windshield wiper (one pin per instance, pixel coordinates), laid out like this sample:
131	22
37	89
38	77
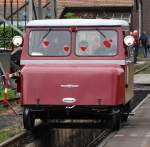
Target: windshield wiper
47	33
101	33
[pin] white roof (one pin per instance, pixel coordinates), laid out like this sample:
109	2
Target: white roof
77	22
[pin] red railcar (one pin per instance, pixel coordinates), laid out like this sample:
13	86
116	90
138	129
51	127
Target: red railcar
76	68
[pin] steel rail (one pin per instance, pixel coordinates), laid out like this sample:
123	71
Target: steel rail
105	133
14	141
112	134
101	138
141	69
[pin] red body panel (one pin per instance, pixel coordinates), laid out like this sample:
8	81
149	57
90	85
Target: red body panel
97	85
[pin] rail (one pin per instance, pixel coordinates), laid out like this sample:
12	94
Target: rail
99	138
87	137
142	68
16	140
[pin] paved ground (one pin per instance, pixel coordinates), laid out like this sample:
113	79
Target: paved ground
142	79
136	132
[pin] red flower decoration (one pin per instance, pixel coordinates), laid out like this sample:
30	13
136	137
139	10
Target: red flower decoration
83	48
45	43
66	49
107	43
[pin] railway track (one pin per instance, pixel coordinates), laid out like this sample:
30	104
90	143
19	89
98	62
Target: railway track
142	68
70	135
19	140
99	138
44	135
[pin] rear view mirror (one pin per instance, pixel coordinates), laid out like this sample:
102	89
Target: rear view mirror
17	41
129	40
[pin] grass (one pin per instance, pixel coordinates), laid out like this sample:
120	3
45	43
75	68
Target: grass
11	94
146	64
142	68
139	66
145	71
8	133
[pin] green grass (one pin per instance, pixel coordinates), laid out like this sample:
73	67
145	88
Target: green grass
145	71
140	66
8	133
11	94
145	68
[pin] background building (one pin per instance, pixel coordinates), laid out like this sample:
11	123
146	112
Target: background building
120	9
145	14
18	10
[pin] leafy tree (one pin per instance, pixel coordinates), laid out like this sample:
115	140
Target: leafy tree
6	37
70	15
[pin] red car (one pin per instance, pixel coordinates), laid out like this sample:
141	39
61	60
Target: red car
76	68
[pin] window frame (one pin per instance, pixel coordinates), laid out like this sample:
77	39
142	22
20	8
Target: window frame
93	29
52	29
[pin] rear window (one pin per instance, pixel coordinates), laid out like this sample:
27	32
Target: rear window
50	43
96	42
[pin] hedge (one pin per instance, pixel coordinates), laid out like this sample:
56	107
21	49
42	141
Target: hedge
6	37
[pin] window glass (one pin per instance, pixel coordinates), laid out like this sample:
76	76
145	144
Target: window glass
96	43
49	43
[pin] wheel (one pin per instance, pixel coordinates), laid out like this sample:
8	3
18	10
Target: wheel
28	119
125	112
115	122
44	120
124	118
